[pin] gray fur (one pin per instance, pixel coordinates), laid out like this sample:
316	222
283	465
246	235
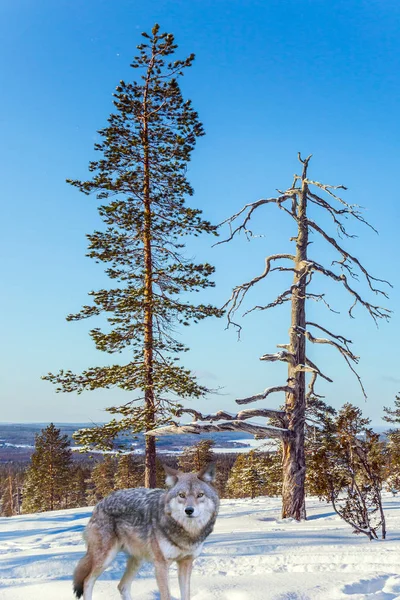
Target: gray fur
151	525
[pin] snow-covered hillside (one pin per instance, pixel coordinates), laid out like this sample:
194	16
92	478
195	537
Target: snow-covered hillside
252	555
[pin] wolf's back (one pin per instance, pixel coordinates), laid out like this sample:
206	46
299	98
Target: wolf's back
140	506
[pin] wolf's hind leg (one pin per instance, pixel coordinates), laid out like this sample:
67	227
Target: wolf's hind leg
100	564
124	585
184	571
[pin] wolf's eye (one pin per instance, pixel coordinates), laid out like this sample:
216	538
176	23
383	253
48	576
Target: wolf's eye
182	495
200	495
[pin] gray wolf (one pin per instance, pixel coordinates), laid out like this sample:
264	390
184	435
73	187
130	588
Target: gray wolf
160	526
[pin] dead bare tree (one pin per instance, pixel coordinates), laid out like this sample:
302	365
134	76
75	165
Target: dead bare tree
295	202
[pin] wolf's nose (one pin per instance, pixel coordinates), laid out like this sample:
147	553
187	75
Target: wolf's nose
189	511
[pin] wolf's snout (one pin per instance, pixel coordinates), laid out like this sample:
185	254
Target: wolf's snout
189	511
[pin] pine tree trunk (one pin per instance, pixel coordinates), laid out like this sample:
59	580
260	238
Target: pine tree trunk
51	477
150	448
294	465
10	491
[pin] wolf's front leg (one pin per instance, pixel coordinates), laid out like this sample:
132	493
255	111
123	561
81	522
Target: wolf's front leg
184	572
161	569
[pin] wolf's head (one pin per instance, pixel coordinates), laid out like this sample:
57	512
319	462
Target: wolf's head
191	500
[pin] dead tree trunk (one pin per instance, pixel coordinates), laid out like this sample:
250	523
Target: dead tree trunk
294	466
296	202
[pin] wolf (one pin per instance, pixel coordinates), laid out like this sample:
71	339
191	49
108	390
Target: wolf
156	525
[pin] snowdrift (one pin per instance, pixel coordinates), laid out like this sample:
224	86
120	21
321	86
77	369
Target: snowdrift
252	555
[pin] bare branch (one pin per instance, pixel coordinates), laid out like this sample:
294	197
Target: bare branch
342	349
240	291
249	413
341	338
357	375
349	257
304	161
376	312
240	416
311	387
310	367
321	298
333	212
277	388
251	207
350	209
328	189
257	430
286	296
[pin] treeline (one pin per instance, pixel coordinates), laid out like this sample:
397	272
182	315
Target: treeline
348	464
53	481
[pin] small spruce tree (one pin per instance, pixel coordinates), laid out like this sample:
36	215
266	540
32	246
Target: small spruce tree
249	476
49	474
78	489
195	458
392	416
102	480
353	468
11	494
129	474
319	442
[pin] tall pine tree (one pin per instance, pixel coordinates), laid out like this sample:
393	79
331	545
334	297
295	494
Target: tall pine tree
141	177
48	476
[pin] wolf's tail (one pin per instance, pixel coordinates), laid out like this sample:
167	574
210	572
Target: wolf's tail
82	570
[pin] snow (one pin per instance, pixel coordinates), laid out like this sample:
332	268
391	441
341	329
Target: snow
248	444
252	555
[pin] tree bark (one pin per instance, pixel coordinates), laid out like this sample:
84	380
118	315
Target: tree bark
294	464
10	491
150	447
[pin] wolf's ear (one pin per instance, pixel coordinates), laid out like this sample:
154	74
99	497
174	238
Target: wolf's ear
171	475
207	473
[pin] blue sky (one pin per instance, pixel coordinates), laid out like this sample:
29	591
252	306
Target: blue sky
270	78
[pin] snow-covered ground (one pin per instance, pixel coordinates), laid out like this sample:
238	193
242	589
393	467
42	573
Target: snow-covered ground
252	555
